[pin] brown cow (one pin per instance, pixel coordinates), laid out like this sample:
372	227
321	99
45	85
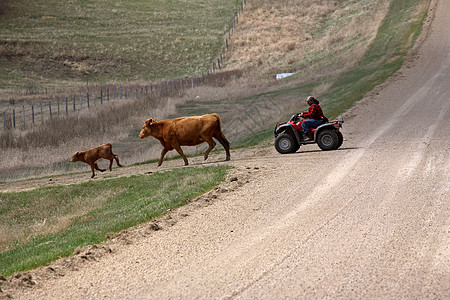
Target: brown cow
186	131
91	157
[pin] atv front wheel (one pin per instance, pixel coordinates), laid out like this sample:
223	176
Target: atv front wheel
328	140
285	143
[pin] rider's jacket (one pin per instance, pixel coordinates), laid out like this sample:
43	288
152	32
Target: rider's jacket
315	112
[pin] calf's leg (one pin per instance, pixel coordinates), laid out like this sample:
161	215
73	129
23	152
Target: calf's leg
110	164
117	160
93	173
97	168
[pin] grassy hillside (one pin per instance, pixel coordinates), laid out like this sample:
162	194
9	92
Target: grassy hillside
54	43
339	50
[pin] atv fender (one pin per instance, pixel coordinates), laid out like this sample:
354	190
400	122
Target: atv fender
324	126
288	128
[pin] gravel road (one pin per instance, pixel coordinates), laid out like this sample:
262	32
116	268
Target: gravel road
370	220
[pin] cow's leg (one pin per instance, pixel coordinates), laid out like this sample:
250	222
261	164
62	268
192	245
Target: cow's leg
211	144
117	160
163	152
226	145
97	168
177	147
180	151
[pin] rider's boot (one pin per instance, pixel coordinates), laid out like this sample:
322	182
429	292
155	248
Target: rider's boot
307	136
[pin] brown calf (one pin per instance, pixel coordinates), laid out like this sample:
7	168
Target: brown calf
91	157
186	131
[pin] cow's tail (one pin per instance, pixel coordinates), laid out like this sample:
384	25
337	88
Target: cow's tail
221	137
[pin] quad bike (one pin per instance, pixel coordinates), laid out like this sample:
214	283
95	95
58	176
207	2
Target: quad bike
289	135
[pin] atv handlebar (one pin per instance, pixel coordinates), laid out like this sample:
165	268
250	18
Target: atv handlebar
295	117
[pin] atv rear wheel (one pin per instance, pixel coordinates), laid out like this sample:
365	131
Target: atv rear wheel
328	140
341	139
285	143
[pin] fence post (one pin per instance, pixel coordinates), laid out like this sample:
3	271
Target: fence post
4	120
14	117
87	97
101	96
58	106
42	114
23	113
67	107
107	94
74	107
32	113
50	109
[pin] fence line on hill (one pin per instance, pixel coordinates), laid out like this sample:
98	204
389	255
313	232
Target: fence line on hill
28	116
32	115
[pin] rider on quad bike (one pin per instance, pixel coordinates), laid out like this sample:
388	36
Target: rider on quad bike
315	116
289	136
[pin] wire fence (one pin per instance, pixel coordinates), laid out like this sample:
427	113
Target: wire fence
29	115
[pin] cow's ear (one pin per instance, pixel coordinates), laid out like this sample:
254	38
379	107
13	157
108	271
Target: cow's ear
78	153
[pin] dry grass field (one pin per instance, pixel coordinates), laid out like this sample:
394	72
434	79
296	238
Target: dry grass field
47	44
318	40
310	37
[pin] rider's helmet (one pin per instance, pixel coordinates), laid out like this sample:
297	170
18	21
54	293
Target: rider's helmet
310	98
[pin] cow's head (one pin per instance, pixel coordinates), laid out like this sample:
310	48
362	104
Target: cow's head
75	157
146	128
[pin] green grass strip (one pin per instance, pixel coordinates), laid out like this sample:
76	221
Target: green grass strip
97	209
